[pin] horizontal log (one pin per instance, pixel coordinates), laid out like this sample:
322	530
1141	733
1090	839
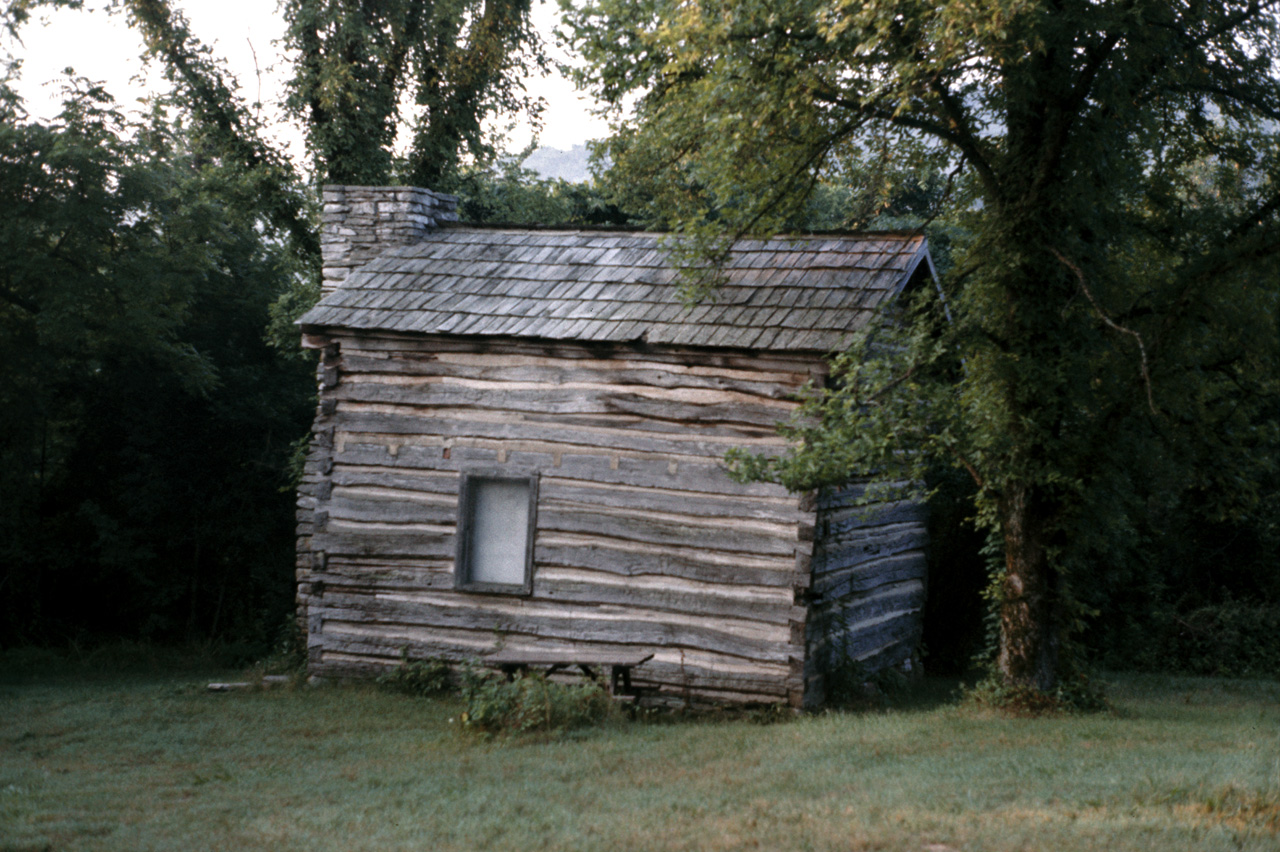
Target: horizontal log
629	625
590	553
370	520
436	575
373	483
849	613
867	577
390	510
594	416
678	473
660	675
891	655
425	387
557	372
902	629
375	543
837	522
583	587
711	670
748	360
854	558
833	553
656	529
699	406
414	482
850	494
549	586
551	431
794	370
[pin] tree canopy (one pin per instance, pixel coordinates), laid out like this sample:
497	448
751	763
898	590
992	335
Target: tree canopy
367	68
146	426
1114	168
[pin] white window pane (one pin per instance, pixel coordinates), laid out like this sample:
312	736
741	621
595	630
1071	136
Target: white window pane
499	530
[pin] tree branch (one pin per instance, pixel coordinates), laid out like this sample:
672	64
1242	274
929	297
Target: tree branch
1142	349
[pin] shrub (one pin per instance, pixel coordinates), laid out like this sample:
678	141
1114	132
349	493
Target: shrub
1074	694
420	678
530	703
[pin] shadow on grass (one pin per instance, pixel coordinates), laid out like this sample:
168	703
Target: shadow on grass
113	660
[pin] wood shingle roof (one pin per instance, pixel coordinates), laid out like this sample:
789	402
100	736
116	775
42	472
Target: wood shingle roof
783	294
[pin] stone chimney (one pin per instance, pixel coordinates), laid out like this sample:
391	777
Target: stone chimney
360	222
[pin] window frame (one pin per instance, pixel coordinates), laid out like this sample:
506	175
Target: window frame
462	567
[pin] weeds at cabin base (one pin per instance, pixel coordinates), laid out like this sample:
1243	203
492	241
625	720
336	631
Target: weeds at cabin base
497	705
421	678
530	703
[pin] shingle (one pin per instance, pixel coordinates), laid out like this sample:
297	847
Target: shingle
612	286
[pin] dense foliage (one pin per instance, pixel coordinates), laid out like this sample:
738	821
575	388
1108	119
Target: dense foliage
366	68
146	426
509	193
1113	171
151	398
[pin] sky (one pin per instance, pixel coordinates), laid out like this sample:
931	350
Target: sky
101	47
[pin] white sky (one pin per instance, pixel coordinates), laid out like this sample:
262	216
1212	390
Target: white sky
100	46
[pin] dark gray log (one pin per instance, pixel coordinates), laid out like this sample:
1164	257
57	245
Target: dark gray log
893	569
629	410
568	624
389	510
774	362
841	561
689	564
836	523
623	374
376	543
780	612
847	614
698	505
903	630
555	515
552	431
692	474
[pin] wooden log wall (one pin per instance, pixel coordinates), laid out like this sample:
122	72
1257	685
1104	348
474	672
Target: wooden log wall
868	586
642	540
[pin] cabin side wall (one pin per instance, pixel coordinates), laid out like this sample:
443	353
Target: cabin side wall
642	540
868	592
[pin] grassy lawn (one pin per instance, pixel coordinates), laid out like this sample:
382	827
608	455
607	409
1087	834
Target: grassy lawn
116	762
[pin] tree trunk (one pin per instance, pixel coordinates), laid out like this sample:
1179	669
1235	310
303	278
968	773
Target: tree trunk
1029	600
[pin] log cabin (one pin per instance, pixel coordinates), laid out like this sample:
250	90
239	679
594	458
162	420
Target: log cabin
519	446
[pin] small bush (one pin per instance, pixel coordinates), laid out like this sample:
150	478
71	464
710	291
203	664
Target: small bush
1075	694
419	678
288	655
530	703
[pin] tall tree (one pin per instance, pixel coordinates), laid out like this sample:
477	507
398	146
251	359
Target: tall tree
1115	163
145	424
230	129
440	68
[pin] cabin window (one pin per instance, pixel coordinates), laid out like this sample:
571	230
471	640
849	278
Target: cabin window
496	520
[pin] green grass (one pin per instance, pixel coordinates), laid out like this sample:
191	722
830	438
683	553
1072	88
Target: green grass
137	762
